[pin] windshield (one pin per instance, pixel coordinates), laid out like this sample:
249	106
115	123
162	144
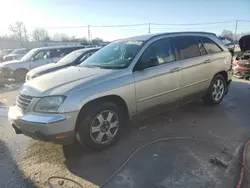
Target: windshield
19	51
116	55
70	57
29	55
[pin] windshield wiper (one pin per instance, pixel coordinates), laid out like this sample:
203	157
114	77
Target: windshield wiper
92	66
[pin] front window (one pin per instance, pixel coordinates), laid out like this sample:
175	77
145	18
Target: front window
42	55
116	55
29	55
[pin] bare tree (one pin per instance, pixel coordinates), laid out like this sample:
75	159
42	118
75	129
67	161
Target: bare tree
61	37
19	31
227	33
97	40
40	35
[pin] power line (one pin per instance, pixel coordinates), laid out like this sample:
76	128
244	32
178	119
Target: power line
204	23
142	24
131	25
244	20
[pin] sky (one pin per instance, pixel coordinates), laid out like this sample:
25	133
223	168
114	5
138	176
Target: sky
54	14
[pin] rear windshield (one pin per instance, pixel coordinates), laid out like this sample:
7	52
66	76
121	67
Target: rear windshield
70	57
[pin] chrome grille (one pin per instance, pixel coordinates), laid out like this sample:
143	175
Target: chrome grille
23	101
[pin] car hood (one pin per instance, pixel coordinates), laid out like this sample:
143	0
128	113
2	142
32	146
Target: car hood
13	55
244	43
7	63
45	69
65	80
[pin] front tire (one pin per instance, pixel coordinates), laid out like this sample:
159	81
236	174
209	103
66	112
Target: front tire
20	75
216	90
100	126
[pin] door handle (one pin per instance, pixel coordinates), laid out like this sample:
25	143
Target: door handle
175	69
207	61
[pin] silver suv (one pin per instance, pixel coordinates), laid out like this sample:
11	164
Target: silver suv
92	102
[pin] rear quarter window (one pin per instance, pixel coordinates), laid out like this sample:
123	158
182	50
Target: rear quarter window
210	45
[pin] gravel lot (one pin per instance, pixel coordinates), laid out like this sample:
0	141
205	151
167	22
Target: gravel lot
223	129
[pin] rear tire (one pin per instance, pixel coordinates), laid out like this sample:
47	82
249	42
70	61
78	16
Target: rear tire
101	126
216	91
20	75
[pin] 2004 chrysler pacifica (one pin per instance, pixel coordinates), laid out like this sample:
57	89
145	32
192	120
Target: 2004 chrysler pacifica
92	102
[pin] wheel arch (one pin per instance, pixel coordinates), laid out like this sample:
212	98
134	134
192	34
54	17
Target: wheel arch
224	74
119	101
20	69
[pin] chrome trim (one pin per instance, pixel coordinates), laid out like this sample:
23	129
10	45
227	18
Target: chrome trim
159	94
42	119
195	83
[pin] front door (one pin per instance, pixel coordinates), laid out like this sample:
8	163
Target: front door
41	58
157	76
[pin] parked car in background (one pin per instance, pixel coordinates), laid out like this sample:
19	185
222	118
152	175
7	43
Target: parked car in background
72	59
92	102
4	52
16	54
37	57
241	63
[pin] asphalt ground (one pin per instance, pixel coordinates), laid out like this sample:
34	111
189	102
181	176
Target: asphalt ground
221	132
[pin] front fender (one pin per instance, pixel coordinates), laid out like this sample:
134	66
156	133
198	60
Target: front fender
122	87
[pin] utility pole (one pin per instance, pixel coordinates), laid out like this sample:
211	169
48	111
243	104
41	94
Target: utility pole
235	32
149	28
89	33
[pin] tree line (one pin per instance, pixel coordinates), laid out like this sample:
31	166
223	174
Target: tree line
19	33
229	34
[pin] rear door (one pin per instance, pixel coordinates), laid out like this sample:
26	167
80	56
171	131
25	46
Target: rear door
194	73
41	58
215	59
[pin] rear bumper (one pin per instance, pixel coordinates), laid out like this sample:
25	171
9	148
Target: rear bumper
57	128
241	73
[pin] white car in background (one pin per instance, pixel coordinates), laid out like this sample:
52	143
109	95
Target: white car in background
16	54
37	57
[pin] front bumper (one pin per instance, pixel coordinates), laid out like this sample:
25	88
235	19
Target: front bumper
58	128
6	73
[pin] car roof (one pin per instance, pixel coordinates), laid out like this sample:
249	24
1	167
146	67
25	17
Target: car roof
60	47
87	49
150	36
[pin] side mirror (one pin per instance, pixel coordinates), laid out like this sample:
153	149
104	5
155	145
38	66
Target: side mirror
141	65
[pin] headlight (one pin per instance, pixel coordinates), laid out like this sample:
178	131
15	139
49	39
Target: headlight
49	104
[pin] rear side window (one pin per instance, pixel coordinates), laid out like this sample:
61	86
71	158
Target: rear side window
186	47
201	47
57	53
210	45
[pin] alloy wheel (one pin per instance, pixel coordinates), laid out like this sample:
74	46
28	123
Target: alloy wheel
104	127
